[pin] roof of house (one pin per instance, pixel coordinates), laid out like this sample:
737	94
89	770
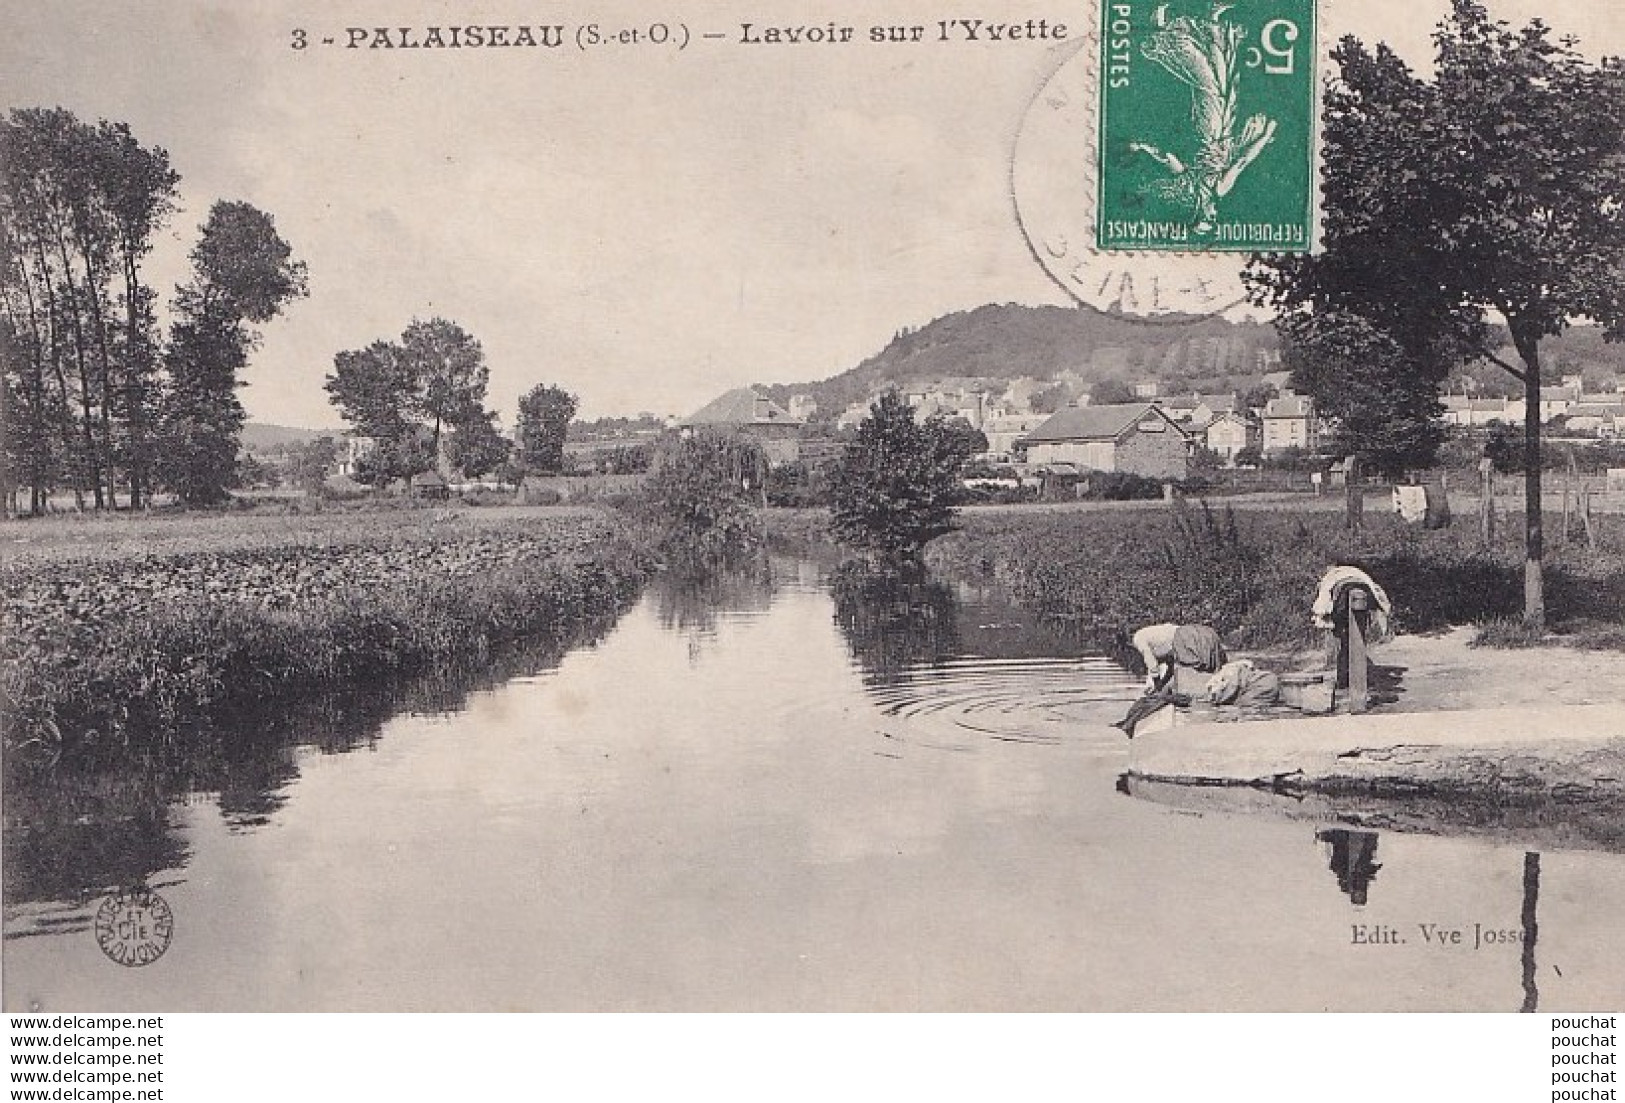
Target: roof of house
1290	405
1224	415
742	406
1095	422
1191	401
1597	409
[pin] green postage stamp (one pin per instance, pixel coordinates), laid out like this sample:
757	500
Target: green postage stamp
1207	125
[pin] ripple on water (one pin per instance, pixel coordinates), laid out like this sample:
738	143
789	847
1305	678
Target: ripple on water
957	704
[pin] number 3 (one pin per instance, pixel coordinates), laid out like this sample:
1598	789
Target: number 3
299	42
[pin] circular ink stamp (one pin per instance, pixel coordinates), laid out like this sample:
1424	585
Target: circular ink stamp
134	927
1171	145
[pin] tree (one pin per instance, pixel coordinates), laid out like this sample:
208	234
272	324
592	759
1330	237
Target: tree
1048	399
396	458
1110	392
1385	404
79	207
404	395
963	437
450	367
700	498
1204	458
141	191
243	273
897	485
1258	396
1496	187
544	422
309	464
477	446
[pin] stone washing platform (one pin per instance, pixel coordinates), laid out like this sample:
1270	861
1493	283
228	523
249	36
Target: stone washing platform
1551	776
1573	751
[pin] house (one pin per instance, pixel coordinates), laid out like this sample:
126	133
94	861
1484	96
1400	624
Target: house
1210	406
1460	410
1181	407
950	399
1555	401
1004	430
1289	422
355	449
749	413
1137	437
1601	418
853	416
1199	409
1227	434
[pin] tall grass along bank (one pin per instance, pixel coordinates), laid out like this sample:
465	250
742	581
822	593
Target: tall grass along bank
107	654
1253	574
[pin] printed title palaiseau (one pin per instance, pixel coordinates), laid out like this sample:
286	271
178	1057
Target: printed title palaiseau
549	36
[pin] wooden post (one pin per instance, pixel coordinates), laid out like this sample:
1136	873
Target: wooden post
1486	501
1354	496
1585	516
1359	617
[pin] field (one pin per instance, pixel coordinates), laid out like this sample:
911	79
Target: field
118	630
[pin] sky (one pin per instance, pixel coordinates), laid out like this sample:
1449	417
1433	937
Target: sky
644	226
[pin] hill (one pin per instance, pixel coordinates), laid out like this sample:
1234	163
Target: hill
997	344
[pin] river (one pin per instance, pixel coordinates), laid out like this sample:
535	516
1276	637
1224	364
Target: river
769	792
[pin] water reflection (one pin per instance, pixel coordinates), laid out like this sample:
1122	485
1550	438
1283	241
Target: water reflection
894	622
813	814
73	835
1530	929
1353	862
688	600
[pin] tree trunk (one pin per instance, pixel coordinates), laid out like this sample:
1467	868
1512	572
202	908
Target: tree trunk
135	370
37	452
64	408
1531	930
1534	597
87	425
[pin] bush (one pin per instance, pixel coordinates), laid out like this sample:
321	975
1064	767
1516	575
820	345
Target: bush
484	496
897	485
700	499
798	485
1122	486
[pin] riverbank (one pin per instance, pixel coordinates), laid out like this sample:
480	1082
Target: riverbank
1253	574
1526	744
1104	569
119	631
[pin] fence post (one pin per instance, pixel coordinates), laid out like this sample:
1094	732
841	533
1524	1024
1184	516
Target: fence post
1486	501
1354	495
1359	617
